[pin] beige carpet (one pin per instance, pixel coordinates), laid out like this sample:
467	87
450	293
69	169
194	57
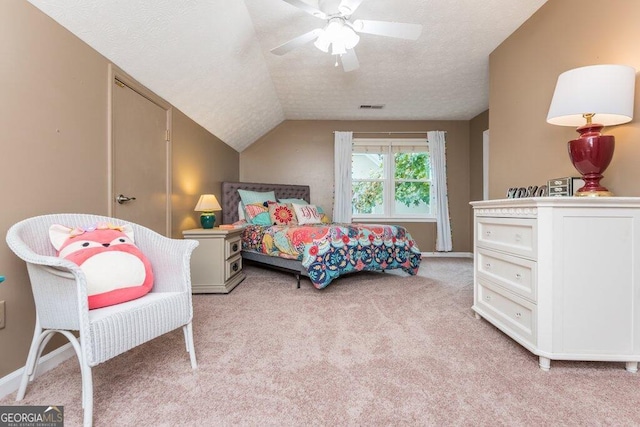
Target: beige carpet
370	349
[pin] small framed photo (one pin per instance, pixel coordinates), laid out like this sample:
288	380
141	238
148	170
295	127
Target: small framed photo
566	186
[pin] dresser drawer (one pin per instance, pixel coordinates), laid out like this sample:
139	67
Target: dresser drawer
232	267
516	274
233	246
513	315
511	235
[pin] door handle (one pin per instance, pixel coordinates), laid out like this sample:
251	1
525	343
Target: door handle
124	199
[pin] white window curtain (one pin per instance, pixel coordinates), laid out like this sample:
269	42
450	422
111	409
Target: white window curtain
437	153
342	178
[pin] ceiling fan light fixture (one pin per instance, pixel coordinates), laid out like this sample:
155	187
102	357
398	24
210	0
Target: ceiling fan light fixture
338	47
349	37
334	28
322	42
338	36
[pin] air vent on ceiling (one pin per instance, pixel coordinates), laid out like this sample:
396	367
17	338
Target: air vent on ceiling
372	107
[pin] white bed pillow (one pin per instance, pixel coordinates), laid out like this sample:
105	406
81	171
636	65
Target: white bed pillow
307	214
240	211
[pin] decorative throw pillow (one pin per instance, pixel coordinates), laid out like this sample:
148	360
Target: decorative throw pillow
249	197
257	213
324	218
307	214
115	268
297	201
282	214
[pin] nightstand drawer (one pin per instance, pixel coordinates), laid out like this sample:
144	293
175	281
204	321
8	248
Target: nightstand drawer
516	316
232	267
233	246
511	235
516	274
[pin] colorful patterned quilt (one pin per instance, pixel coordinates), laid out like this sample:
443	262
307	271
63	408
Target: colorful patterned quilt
329	250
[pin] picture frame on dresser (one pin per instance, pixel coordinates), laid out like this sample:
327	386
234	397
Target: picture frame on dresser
567	186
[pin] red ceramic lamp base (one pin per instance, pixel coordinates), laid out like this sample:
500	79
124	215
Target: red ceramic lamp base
591	154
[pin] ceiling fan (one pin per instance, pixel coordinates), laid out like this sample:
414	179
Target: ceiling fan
340	34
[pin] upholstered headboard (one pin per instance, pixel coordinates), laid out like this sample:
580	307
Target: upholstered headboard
231	198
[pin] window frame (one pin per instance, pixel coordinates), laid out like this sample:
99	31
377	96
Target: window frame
389	181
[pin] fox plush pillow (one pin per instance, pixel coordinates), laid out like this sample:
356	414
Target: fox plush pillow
115	268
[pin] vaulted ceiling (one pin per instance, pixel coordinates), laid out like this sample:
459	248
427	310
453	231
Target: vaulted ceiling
212	60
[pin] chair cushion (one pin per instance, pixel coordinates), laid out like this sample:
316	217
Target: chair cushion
116	270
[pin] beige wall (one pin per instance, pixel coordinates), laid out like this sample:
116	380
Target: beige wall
201	162
562	35
53	146
301	152
477	126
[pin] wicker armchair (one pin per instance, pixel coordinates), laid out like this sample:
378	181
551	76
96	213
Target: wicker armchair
60	294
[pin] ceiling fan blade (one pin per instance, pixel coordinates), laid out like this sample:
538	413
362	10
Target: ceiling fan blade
389	29
297	42
347	7
307	8
349	60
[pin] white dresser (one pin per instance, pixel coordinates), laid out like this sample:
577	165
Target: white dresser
561	275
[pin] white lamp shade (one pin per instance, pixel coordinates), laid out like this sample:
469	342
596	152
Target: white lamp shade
607	91
207	203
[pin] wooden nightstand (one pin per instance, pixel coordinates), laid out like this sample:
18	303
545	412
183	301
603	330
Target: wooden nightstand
216	264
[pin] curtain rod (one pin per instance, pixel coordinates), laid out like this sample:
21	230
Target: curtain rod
390	133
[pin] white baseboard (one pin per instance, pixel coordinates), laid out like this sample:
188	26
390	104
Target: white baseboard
447	254
10	383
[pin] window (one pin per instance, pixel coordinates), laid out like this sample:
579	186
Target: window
391	178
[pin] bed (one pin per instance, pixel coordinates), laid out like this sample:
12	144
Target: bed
321	252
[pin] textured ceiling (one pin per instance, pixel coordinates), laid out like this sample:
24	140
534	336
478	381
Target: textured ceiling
211	59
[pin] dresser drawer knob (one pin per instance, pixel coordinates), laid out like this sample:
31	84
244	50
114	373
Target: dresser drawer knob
488	266
487	297
518	315
518	237
518	276
234	248
487	233
235	267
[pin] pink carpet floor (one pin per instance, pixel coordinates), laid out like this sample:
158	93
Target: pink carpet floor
371	349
